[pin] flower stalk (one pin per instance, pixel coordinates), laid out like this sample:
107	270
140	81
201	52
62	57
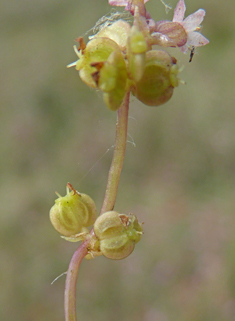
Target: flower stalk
71	281
118	156
120	60
108	204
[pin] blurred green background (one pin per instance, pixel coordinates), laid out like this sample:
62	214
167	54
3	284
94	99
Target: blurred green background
179	179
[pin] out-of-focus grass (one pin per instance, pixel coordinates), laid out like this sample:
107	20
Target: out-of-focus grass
179	179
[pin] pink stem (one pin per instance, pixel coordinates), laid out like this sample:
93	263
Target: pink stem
71	281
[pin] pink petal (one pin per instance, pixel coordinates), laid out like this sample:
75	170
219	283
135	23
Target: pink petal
179	11
120	3
194	20
196	39
184	49
123	3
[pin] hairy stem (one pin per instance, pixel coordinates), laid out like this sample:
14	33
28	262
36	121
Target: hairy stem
118	156
108	204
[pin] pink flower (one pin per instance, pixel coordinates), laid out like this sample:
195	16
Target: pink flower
191	26
180	32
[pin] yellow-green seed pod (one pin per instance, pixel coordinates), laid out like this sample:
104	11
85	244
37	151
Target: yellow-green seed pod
97	50
117	31
138	43
137	47
112	80
159	79
71	213
117	234
101	65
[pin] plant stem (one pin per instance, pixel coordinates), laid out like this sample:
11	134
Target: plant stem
118	157
71	281
108	205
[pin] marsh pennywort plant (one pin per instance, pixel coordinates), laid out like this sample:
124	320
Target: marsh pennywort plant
120	60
